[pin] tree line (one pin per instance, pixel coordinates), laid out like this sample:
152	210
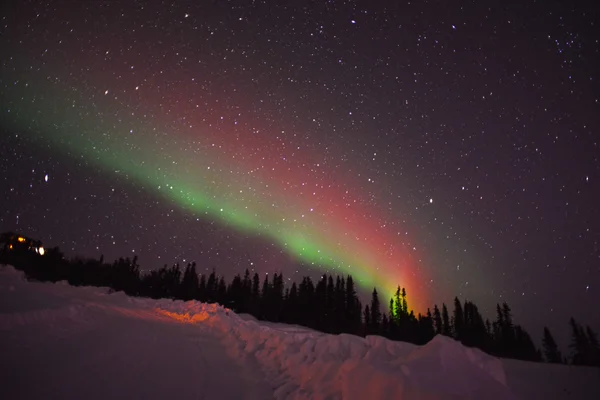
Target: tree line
330	304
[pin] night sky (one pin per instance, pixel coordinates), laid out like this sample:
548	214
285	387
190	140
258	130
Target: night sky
449	147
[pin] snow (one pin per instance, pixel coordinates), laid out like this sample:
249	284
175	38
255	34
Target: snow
65	342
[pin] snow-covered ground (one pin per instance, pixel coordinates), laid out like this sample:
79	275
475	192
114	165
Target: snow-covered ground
63	342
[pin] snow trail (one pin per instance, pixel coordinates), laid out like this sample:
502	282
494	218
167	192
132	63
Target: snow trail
65	342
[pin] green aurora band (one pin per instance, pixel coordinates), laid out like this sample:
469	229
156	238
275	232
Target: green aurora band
206	181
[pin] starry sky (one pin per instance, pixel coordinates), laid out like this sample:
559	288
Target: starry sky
450	147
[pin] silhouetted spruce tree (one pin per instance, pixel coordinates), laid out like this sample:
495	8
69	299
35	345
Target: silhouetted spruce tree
411	330
405	325
128	276
447	328
246	301
306	303
579	344
524	349
290	314
375	314
276	298
367	319
222	292
174	281
320	303
488	345
385	326
424	330
437	320
594	347
501	347
264	298
428	328
488	328
474	330
202	289
551	351
255	296
393	327
458	320
339	311
353	308
508	331
329	319
211	287
404	302
189	283
468	331
235	294
397	306
162	283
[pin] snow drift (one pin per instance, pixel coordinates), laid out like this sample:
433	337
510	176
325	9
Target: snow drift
65	342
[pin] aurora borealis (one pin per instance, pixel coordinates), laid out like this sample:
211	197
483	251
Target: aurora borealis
450	148
280	198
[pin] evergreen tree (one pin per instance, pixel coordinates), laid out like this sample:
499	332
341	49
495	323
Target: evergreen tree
234	294
264	298
329	301
437	320
306	303
458	319
320	302
291	308
375	313
397	305
393	328
524	349
385	326
265	287
488	328
427	328
579	344
353	308
474	330
504	335
246	293
221	296
189	283
367	318
340	304
255	296
508	328
447	329
202	293
551	351
594	347
211	287
276	298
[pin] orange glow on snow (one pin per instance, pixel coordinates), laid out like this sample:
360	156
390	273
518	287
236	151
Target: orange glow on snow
184	318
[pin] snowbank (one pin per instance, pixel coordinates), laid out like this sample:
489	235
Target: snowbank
304	364
84	342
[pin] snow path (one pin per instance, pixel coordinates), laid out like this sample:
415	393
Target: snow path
63	342
97	351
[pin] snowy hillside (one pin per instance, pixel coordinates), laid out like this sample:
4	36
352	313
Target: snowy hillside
63	342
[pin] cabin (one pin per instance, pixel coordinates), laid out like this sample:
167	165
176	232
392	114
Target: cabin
11	241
